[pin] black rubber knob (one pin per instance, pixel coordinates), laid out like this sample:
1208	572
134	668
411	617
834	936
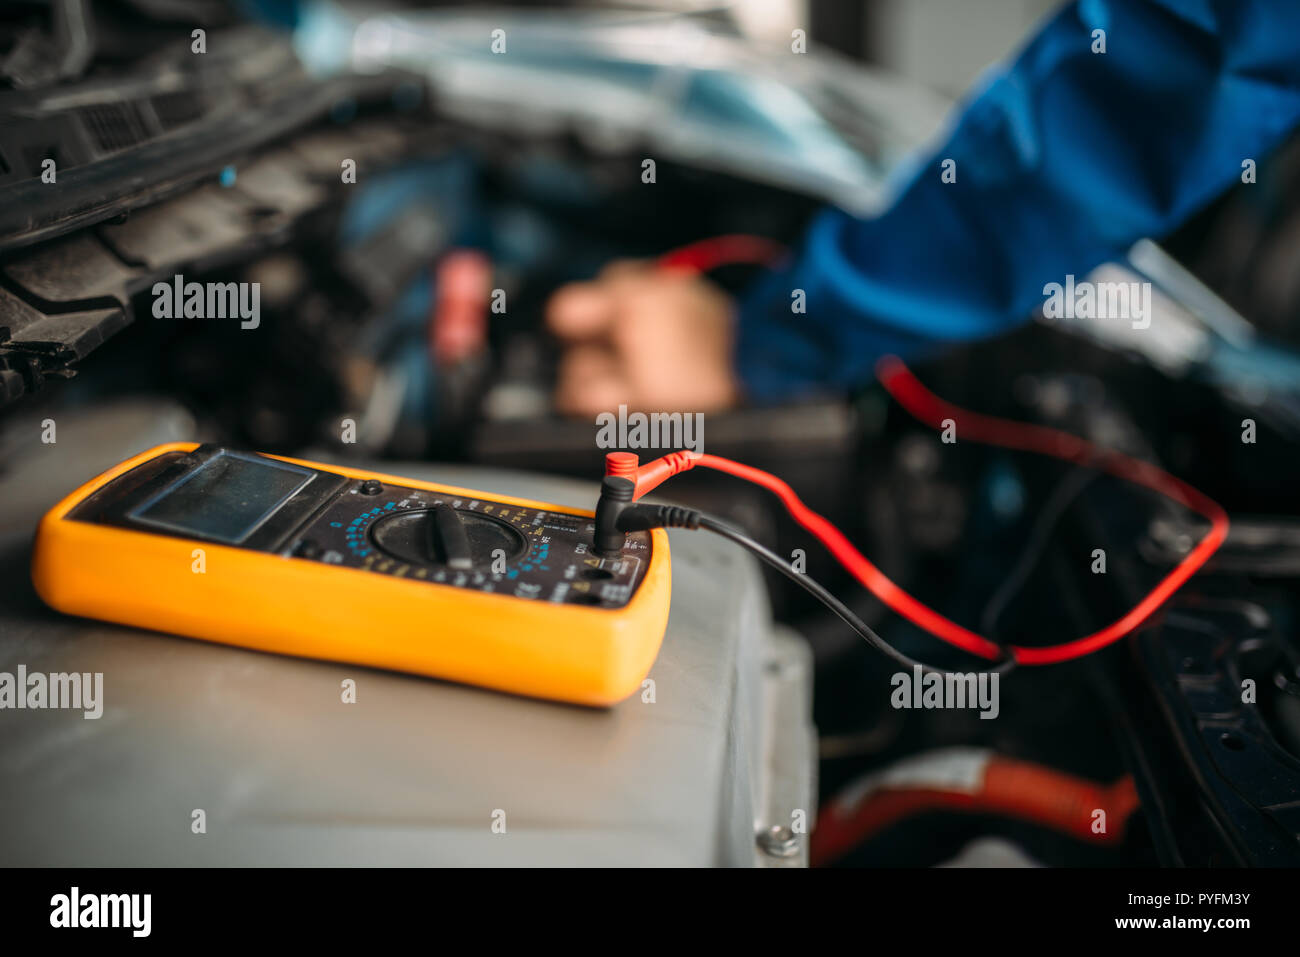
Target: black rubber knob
444	536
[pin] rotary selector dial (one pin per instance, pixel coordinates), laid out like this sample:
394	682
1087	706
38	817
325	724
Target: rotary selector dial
473	542
446	536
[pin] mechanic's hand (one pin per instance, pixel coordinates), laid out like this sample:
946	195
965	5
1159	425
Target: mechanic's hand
653	339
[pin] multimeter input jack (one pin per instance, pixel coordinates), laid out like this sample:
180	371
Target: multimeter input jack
617	514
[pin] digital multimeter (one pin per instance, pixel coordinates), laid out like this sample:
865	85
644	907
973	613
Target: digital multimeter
330	562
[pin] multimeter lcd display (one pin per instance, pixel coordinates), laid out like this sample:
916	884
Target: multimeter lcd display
226	498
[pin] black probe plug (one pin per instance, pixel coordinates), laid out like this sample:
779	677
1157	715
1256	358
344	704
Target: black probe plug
617	514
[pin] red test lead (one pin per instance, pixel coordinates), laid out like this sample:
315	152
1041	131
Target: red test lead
908	391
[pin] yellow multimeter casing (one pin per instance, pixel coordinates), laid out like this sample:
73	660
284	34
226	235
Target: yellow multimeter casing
330	562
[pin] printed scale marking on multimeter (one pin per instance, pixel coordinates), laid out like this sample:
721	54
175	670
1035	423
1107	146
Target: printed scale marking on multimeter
324	561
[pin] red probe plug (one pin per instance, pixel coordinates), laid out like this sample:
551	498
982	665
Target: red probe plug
652	474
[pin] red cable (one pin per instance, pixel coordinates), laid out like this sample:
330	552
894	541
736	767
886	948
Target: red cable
930	409
706	255
908	391
924	405
876	581
1006	787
